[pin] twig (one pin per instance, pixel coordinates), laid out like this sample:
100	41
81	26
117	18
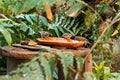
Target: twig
76	76
99	38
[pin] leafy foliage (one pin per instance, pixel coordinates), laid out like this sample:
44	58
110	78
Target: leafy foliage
42	67
5	31
25	18
66	60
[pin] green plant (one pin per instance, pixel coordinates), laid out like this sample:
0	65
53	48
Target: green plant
25	18
5	31
44	67
99	70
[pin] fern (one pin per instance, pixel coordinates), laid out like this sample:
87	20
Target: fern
52	62
44	67
79	62
66	60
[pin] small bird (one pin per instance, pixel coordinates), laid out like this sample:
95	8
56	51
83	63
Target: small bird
67	36
44	34
80	38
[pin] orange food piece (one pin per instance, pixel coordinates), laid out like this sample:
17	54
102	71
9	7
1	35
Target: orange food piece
32	43
62	42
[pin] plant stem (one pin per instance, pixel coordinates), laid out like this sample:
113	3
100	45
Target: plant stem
99	38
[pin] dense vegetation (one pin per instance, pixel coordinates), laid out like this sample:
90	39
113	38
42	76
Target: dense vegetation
96	20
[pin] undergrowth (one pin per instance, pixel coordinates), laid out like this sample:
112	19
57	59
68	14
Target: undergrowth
44	67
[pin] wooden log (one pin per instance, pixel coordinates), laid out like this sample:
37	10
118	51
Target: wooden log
88	64
33	48
17	55
28	53
13	63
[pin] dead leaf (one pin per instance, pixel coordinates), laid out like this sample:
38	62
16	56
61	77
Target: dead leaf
115	33
48	11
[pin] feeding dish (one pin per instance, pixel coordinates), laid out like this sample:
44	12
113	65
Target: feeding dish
62	42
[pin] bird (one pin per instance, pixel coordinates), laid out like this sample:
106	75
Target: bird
44	34
80	38
67	36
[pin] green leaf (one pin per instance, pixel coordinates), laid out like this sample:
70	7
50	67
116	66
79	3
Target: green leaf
79	62
75	27
118	27
35	67
61	29
67	30
24	27
6	35
106	73
46	67
28	19
66	60
20	16
52	62
115	48
57	31
16	8
106	46
118	3
31	31
43	20
70	2
71	24
106	70
39	5
34	17
67	22
29	4
89	76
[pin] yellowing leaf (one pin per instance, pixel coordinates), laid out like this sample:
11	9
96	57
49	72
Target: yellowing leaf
115	33
48	11
87	19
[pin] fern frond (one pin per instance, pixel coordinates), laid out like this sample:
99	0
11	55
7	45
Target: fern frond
80	62
71	24
67	22
66	60
56	19
46	67
52	62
